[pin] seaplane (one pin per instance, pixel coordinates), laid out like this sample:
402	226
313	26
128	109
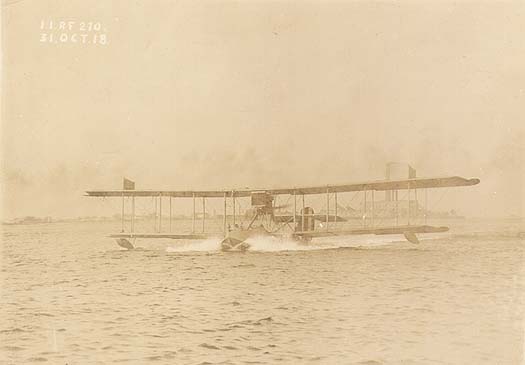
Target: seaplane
303	224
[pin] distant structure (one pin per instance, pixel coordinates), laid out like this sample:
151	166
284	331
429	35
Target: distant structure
395	203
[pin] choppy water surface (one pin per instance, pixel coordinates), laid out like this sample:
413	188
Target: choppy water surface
70	295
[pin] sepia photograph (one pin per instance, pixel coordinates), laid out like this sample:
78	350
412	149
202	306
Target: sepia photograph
262	182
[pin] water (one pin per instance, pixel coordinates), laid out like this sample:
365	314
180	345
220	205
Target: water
69	295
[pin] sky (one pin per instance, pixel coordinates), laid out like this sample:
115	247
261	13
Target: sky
193	95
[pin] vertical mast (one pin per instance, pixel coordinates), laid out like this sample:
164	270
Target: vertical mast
171	213
426	204
302	215
335	199
373	212
224	216
203	212
408	209
160	212
233	204
294	211
397	208
155	215
364	215
193	215
132	214
327	207
122	215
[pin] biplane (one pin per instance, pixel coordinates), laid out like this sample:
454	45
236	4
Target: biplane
302	224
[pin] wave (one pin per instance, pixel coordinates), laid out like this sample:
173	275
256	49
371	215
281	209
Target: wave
277	244
207	245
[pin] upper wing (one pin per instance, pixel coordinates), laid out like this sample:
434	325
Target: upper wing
381	185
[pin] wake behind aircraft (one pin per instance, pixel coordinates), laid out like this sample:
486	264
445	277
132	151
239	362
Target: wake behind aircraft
302	225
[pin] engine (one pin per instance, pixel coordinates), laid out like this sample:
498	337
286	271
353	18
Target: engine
262	201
